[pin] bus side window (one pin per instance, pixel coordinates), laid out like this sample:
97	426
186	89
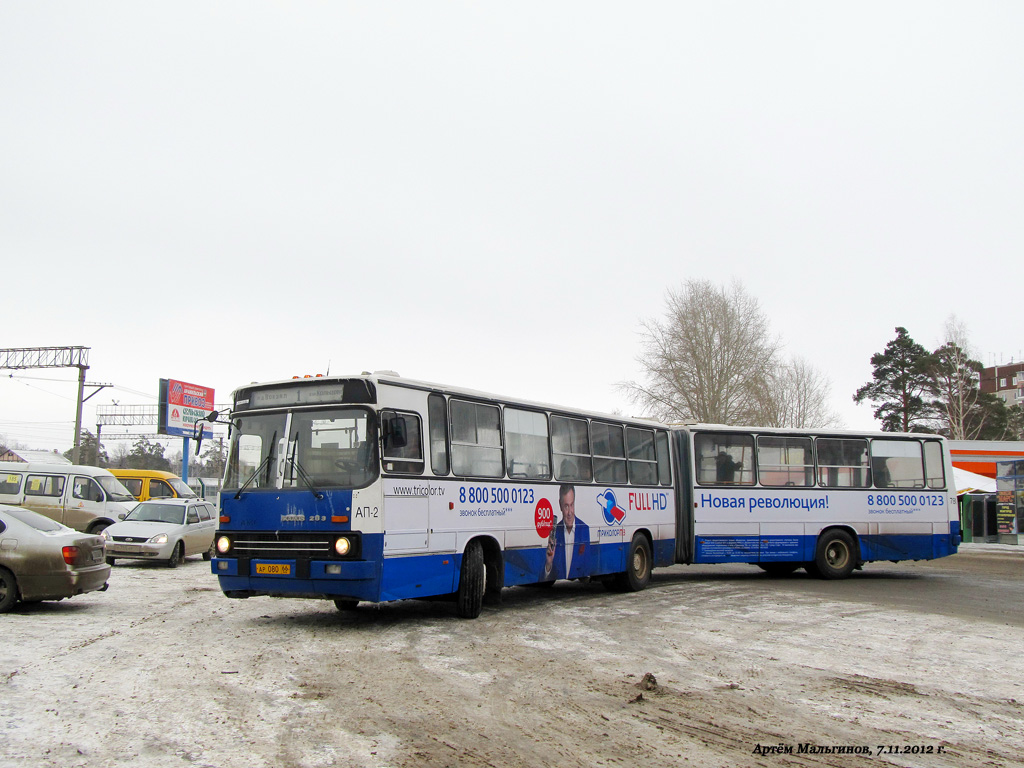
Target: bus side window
843	463
664	461
609	453
725	459
897	464
526	445
570	446
437	416
476	439
401	443
643	460
784	461
935	471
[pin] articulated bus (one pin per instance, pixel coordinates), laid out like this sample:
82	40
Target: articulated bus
376	488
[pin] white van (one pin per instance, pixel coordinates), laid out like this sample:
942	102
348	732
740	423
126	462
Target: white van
85	498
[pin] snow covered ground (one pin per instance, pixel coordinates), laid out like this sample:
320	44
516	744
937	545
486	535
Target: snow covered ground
917	664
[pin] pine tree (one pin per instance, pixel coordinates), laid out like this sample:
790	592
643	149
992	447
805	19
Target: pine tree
901	388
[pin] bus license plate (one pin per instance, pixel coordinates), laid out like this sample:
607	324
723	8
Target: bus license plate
274	569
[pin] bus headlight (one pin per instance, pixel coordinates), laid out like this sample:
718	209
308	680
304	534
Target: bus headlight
223	545
342	546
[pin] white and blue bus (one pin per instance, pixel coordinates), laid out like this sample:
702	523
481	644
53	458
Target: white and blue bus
827	501
376	488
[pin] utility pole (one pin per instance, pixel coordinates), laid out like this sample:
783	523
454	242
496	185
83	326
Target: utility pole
56	357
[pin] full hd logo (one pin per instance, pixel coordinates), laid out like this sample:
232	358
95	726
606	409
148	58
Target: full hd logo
613	513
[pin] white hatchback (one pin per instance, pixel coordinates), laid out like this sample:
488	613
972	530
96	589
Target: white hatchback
168	530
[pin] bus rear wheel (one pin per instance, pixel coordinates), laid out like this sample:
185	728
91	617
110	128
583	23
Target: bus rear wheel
469	600
638	568
345	604
835	557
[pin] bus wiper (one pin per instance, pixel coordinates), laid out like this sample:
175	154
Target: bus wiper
253	476
264	463
302	473
305	478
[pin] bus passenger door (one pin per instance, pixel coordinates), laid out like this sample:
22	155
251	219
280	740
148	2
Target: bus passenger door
406	513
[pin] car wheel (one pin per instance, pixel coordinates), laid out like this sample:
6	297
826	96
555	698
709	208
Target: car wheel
99	525
8	590
111	560
176	556
208	554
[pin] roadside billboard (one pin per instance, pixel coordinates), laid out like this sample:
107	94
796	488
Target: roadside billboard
181	406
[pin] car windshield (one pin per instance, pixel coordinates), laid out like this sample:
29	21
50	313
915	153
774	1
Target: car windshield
115	491
316	448
158	513
181	488
39	522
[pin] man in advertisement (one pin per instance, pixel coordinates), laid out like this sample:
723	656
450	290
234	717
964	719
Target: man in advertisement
569	542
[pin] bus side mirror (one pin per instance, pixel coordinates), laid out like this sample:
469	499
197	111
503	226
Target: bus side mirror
197	428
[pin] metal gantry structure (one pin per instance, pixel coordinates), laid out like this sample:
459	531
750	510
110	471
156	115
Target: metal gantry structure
20	358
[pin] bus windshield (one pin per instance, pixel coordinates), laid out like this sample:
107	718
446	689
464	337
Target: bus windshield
322	448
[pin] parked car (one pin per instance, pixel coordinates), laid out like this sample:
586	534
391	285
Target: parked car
167	529
40	559
146	484
82	497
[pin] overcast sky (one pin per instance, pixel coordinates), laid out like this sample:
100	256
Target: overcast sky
494	195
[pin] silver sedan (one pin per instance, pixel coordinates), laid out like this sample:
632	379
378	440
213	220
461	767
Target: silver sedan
167	530
40	559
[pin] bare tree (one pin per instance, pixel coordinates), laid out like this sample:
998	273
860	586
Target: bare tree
956	376
796	395
966	411
119	457
707	359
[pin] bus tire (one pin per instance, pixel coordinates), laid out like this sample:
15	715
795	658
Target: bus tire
8	590
638	564
836	555
469	600
346	604
778	569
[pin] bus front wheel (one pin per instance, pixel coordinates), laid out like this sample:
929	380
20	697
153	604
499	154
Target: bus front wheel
835	557
472	582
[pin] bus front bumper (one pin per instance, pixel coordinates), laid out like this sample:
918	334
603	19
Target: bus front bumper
314	578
